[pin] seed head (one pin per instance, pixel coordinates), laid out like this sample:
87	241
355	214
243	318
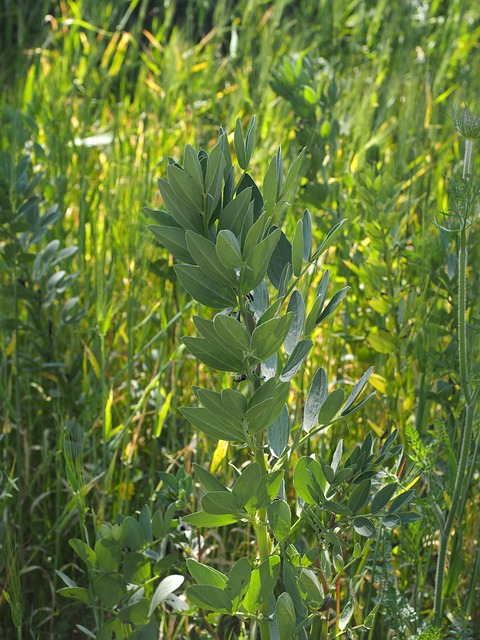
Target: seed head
465	120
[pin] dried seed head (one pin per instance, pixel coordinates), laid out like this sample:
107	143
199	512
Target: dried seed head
465	120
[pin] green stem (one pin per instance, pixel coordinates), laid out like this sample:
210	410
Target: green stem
462	317
263	542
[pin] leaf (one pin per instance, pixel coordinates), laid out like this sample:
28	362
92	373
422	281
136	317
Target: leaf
136	568
247	483
110	589
356	391
262	583
220	503
297	249
329	240
207	422
205	256
132	534
202	574
382	342
202	349
203	288
346	615
279	432
259	261
359	496
185	189
337	455
331	407
210	598
309	480
208	480
383	497
307	235
108	554
296	360
167	586
77	593
296	306
238	578
193	167
184	216
250	140
239	145
281	257
316	396
280	519
401	500
292	174
83	551
254	237
266	490
332	305
201	519
270	187
285	616
228	249
232	332
235	212
337	507
364	527
268	337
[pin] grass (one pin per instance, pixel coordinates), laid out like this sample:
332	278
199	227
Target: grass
113	90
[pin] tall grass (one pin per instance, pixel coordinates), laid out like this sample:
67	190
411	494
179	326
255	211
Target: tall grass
116	88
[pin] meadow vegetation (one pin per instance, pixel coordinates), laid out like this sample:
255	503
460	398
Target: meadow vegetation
101	474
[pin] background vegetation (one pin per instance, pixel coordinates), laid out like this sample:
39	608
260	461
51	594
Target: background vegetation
96	96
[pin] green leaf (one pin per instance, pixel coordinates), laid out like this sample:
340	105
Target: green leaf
285	616
356	391
250	140
332	305
204	289
205	256
253	238
266	404
259	261
337	507
173	239
391	521
228	249
136	568
280	519
262	583
210	598
208	480
307	235
108	553
281	257
232	332
220	503
346	614
247	483
183	215
235	212
212	355
266	490
210	424
359	496
383	497
329	240
409	516
382	342
114	628
167	586
235	403
296	306
193	167
214	178
145	520
331	407
208	520
239	145
136	613
77	593
270	187
238	579
84	552
292	174
132	534
364	527
202	574
268	337
185	188
309	480
297	249
317	395
296	360
110	589
401	500
279	432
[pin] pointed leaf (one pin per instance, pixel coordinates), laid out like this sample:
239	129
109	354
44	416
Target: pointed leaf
364	527
268	337
306	475
202	519
247	483
296	305
202	574
296	360
330	239
383	497
332	305
205	256
356	391
228	249
279	432
220	503
208	480
297	249
204	289
209	598
316	397
167	586
331	407
262	583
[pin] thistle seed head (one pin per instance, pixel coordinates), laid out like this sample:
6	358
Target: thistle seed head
466	120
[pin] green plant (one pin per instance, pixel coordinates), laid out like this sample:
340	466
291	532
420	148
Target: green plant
232	257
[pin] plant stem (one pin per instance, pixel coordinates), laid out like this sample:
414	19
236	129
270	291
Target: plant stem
263	543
